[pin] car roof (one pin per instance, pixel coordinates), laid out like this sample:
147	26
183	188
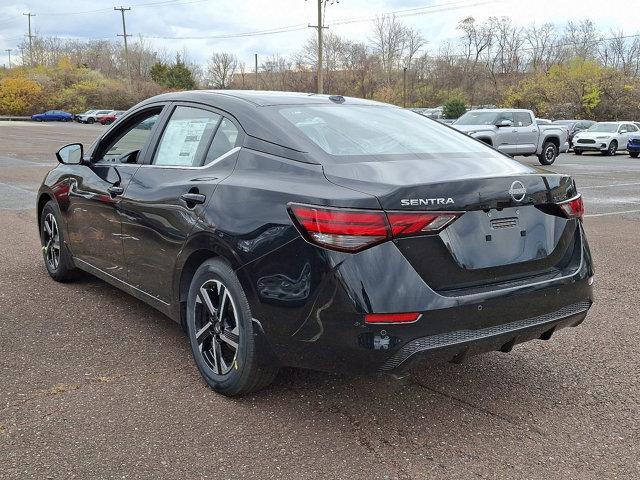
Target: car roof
260	98
498	110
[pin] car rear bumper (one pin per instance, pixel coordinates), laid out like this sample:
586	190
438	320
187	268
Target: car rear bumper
456	345
315	318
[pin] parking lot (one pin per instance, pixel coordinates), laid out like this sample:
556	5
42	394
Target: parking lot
95	384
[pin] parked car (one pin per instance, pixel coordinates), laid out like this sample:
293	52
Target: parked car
515	132
109	118
317	231
574	126
633	145
604	137
91	116
53	115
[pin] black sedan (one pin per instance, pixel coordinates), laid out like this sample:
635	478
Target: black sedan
317	231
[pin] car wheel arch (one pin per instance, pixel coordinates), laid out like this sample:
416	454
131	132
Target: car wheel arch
43	199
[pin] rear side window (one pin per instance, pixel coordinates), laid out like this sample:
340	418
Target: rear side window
225	139
186	137
523	119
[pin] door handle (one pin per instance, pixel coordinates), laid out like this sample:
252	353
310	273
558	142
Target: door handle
115	190
193	199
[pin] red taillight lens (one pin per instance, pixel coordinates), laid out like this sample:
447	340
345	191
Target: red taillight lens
353	230
411	223
391	317
573	208
342	229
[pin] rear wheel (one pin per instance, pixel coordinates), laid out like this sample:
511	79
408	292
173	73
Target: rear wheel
57	258
613	148
91	120
577	151
549	153
634	154
108	122
230	354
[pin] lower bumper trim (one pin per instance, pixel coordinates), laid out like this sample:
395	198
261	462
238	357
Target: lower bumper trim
463	337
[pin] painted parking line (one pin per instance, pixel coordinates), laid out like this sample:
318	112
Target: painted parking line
611	213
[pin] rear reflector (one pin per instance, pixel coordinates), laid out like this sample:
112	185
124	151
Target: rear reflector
391	317
573	208
352	230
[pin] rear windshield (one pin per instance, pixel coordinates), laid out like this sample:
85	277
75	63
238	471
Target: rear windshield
604	127
348	131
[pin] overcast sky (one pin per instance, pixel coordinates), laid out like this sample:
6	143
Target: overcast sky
435	19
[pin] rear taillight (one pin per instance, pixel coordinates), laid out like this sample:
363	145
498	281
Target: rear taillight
352	230
573	208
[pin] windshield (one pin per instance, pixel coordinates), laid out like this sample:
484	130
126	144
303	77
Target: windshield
603	127
357	130
478	118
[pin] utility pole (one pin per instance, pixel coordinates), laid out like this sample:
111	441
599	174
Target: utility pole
320	27
125	35
8	50
404	87
256	59
29	15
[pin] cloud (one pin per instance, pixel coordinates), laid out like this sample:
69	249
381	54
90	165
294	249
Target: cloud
191	18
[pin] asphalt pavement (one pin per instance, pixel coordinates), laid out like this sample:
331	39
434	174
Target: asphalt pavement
95	384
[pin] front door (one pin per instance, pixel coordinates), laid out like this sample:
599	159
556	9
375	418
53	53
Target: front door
165	198
506	138
94	219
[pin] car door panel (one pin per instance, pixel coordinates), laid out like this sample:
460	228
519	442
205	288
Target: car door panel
159	214
506	140
93	215
527	133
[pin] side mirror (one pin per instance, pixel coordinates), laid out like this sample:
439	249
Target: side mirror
71	154
504	123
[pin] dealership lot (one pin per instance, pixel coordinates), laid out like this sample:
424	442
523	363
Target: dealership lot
94	383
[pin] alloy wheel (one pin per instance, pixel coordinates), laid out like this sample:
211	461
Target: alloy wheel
613	147
217	327
550	153
51	241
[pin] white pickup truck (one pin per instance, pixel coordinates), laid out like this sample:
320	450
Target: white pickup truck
515	132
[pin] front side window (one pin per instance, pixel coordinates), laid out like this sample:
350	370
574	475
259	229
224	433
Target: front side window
523	119
186	137
134	138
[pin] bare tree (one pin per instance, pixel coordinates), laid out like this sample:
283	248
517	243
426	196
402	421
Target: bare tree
389	41
220	69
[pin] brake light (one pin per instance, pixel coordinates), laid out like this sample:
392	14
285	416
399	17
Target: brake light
391	317
573	208
353	230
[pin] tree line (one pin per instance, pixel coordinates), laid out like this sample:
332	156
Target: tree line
572	71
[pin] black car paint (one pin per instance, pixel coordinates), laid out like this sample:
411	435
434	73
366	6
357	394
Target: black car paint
308	301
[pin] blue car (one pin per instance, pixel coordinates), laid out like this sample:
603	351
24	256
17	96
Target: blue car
52	115
633	145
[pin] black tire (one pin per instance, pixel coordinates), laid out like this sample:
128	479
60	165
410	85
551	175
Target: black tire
549	153
91	120
108	122
613	148
252	366
634	154
577	151
58	261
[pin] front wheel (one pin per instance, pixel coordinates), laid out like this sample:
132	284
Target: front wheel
549	153
634	154
91	120
230	353
577	151
57	258
613	148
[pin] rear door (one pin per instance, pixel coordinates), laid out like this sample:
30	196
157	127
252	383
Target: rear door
195	150
527	133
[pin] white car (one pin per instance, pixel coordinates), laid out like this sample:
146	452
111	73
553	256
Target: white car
91	116
604	137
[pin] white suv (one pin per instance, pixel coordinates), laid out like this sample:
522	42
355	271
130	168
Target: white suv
604	137
90	116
